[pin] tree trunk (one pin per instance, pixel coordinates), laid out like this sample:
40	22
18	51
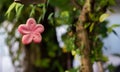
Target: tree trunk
27	59
83	44
82	41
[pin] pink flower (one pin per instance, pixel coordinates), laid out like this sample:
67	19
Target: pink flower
31	31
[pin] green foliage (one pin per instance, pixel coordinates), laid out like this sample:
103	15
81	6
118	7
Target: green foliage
110	29
22	11
51	14
63	18
59	67
101	29
19	13
91	27
4	4
10	8
62	4
18	8
111	68
69	42
112	2
42	63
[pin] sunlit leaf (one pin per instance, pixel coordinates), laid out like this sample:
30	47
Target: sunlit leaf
103	17
19	11
11	7
91	27
41	5
8	12
73	52
64	13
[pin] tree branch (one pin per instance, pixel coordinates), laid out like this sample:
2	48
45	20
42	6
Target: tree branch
75	3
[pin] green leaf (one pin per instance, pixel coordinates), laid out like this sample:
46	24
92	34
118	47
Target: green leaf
115	25
8	12
91	27
86	25
32	11
19	11
103	17
47	2
11	7
110	29
41	5
64	14
73	52
50	16
43	11
18	5
39	19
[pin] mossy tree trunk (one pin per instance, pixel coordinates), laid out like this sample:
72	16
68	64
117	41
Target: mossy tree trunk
82	40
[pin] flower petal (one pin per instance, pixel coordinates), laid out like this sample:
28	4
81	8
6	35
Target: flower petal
27	39
39	28
31	23
37	38
23	29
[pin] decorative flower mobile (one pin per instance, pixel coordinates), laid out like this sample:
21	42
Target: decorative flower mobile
31	31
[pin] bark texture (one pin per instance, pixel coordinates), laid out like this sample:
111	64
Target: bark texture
82	40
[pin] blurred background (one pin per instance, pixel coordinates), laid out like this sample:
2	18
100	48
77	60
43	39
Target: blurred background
52	54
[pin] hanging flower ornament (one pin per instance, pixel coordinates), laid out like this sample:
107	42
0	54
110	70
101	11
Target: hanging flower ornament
31	31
